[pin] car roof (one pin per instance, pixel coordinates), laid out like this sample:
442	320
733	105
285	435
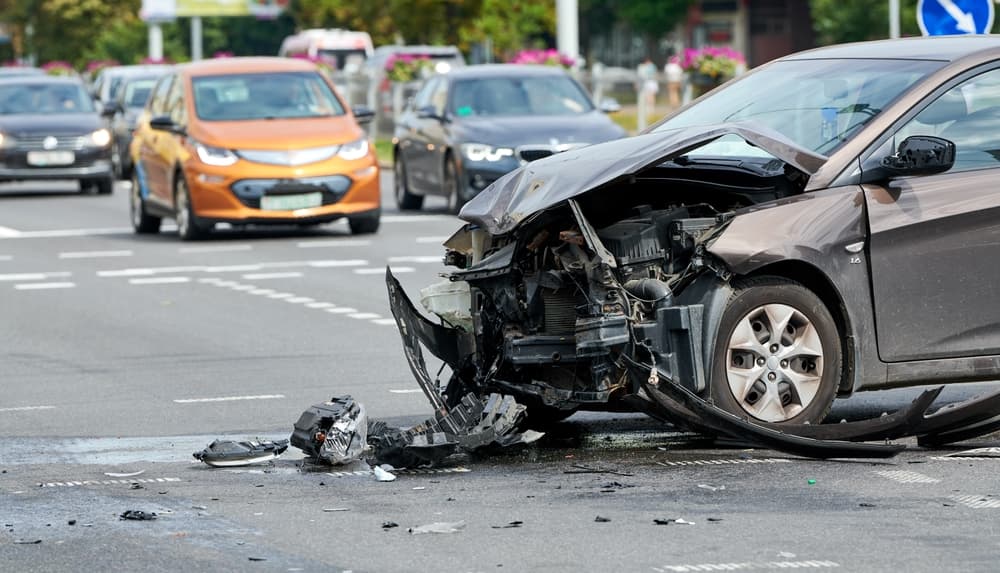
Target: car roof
135	70
505	70
416	49
940	48
246	65
40	80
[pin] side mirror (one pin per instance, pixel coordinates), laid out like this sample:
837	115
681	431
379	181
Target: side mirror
428	112
110	109
917	155
609	105
164	123
363	114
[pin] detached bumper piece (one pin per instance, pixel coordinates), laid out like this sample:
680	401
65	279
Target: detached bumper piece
335	431
228	453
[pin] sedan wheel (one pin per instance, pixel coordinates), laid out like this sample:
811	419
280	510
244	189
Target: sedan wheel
142	222
457	193
405	200
188	226
780	359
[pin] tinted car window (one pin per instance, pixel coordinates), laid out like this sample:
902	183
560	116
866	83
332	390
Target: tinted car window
137	92
156	103
969	116
264	96
175	104
44	98
819	104
423	97
500	96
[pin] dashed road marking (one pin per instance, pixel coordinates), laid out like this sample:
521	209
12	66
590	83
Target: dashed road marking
261	291
215	249
244	288
321	305
976	501
7	233
385	321
416	259
4	258
323	244
342	310
432	239
726	462
233	268
33	276
94	254
267	276
246	268
405	471
159	280
335	263
107	482
280	295
365	315
902	476
229	398
27	408
300	300
746	566
44	286
407	391
381	271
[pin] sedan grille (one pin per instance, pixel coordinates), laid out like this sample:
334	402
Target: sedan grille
50	142
529	154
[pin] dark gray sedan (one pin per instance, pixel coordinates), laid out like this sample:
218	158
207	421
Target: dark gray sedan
823	225
465	129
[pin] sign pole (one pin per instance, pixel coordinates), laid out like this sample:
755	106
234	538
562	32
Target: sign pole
155	41
893	19
196	43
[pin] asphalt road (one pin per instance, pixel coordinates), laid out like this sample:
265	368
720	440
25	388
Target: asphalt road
121	354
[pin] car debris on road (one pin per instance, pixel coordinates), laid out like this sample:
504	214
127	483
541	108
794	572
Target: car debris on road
230	453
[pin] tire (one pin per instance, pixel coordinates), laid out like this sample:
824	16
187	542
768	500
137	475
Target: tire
457	192
365	224
105	186
142	222
791	377
405	200
189	227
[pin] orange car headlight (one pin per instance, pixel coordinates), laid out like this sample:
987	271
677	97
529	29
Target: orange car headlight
354	150
216	156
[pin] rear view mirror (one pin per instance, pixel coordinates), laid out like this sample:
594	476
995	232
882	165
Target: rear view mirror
922	155
164	123
363	114
916	155
428	112
609	105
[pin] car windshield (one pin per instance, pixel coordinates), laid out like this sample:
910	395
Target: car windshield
270	95
511	96
44	99
137	92
818	104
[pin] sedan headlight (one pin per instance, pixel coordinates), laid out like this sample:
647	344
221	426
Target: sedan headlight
6	140
354	150
101	138
483	152
215	155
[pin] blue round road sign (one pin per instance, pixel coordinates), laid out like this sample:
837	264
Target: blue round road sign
950	17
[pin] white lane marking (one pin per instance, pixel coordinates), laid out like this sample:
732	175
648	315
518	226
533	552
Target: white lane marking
381	271
344	243
300	300
94	254
280	295
364	315
976	501
726	462
745	566
244	288
33	276
432	239
233	268
407	391
27	408
906	477
139	272
6	258
266	276
335	263
321	305
342	310
416	259
159	280
43	286
384	321
261	291
215	249
107	482
210	281
230	398
8	233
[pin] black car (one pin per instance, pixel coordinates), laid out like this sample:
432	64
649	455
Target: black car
123	112
822	225
50	129
465	129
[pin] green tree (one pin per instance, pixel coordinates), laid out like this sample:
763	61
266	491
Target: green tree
840	21
511	25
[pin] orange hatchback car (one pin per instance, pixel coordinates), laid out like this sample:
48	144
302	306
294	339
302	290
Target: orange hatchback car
251	141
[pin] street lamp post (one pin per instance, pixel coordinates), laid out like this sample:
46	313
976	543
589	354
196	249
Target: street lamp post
893	18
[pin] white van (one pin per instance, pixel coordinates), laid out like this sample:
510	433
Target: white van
345	50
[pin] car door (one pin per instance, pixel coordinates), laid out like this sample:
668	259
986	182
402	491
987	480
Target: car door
935	239
153	169
435	138
413	143
172	149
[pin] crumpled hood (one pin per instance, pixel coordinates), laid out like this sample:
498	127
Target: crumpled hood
547	182
583	129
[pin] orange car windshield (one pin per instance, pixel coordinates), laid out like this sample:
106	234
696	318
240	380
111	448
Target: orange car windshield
263	96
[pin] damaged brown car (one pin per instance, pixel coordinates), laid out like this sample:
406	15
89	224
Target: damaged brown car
823	225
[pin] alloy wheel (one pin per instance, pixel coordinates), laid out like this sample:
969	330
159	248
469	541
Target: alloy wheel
183	211
774	362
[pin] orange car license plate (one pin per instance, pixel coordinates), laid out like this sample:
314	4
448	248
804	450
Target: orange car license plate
290	202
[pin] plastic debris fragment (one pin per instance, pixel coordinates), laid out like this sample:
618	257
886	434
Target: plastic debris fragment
382	475
124	475
230	453
138	515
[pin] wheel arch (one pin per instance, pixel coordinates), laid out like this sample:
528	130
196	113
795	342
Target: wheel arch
814	279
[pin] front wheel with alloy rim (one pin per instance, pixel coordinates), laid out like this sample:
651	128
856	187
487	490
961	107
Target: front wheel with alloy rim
189	227
405	200
142	222
778	357
458	192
